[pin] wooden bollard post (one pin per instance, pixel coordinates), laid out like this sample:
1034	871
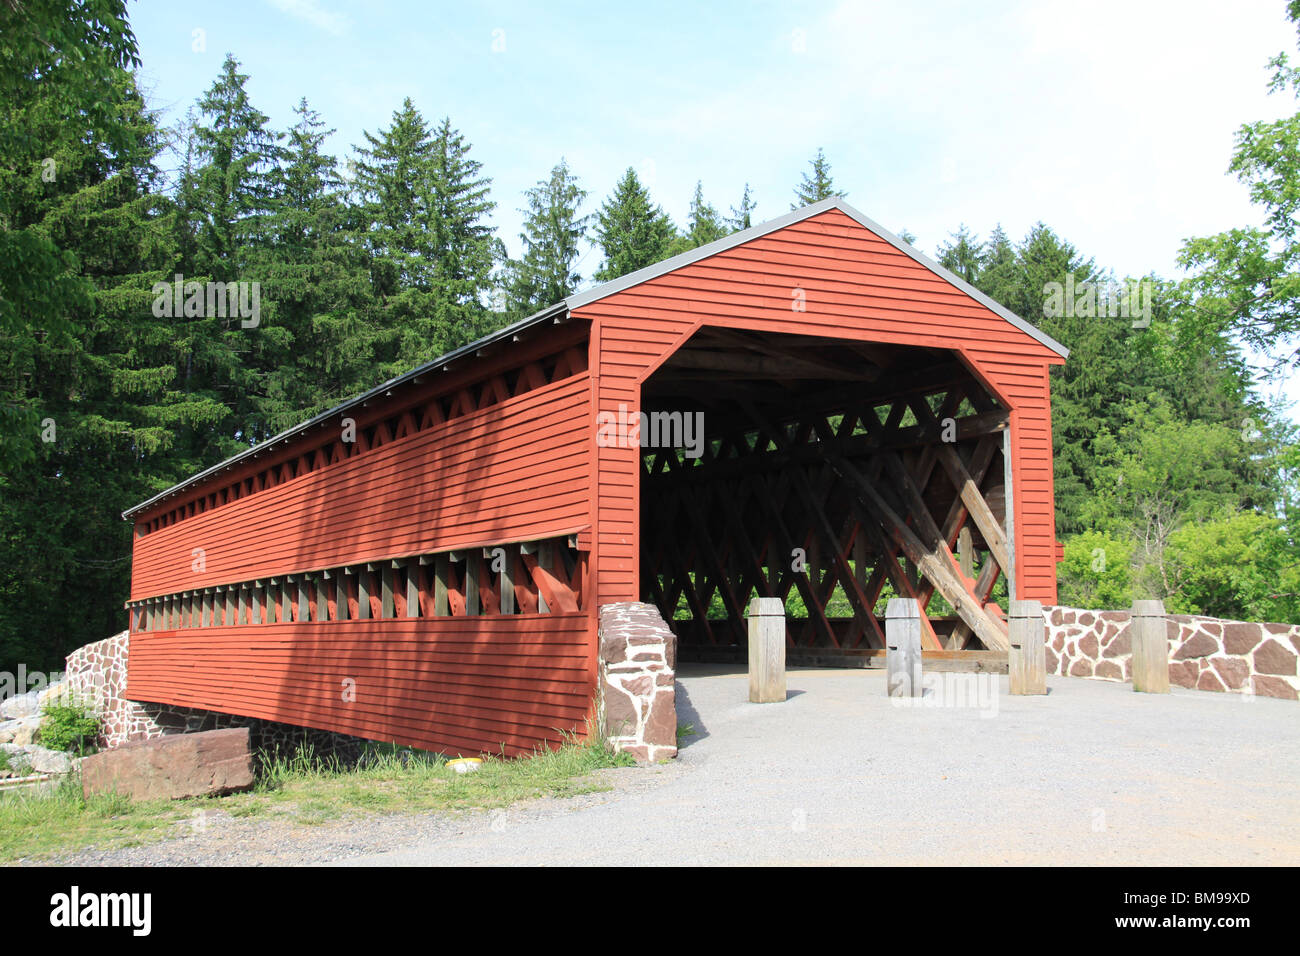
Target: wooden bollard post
766	651
1150	648
903	648
1027	655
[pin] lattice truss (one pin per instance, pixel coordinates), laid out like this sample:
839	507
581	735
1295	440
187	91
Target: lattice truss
893	475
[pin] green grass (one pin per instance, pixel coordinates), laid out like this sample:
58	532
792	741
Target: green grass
304	790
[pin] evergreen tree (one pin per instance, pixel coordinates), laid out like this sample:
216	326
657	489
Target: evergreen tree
391	185
632	232
963	257
226	199
432	249
547	272
465	247
230	187
315	285
55	57
114	426
742	217
818	186
704	225
998	269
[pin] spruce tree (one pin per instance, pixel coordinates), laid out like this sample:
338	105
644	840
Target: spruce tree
229	191
55	58
632	232
546	273
963	257
465	247
703	224
742	216
315	284
227	196
102	382
818	186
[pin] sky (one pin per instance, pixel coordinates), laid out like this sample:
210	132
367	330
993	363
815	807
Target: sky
1112	122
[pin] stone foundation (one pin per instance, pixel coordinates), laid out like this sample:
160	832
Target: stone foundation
1205	653
636	699
96	674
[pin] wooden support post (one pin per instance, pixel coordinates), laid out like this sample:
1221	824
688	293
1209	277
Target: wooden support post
1150	648
441	577
413	588
341	594
1027	657
304	602
903	648
507	578
242	616
766	651
964	553
545	558
472	563
363	592
387	607
205	609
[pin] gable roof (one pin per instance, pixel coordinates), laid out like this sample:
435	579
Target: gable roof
807	212
560	312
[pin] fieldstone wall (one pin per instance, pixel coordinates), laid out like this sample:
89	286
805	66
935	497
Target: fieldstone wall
637	701
1205	653
96	674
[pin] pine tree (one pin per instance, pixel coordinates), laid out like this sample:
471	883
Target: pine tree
704	225
546	273
315	284
465	247
114	425
70	53
391	186
999	269
632	232
963	257
229	191
818	186
742	217
226	197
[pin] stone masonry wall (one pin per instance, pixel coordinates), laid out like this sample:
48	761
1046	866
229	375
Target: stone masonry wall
1205	653
637	697
96	674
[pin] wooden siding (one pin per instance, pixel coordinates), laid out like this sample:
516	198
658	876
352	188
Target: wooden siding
516	470
855	285
455	685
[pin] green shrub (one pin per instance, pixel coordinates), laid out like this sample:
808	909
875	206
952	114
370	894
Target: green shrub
69	726
1096	572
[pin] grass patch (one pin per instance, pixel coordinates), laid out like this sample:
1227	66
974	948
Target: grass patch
38	823
304	790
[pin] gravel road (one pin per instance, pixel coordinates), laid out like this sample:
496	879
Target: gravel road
837	774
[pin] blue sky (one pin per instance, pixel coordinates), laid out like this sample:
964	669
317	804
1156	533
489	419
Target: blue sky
1112	122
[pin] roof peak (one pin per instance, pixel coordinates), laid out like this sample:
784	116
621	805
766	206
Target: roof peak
580	299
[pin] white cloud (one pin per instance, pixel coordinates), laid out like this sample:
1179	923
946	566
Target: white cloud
309	11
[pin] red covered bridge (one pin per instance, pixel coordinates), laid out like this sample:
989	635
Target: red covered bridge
424	563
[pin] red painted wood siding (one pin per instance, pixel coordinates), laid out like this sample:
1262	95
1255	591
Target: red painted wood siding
855	285
516	470
456	685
